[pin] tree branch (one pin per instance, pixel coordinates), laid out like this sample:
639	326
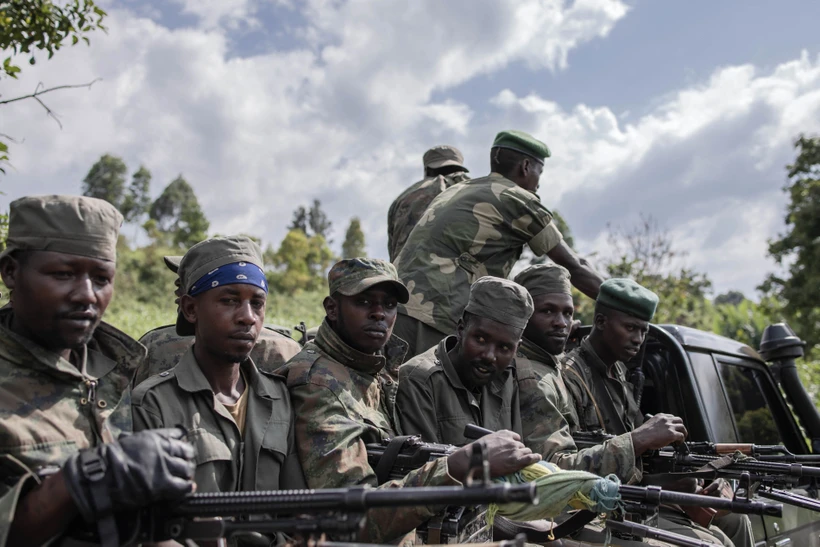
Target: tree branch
39	91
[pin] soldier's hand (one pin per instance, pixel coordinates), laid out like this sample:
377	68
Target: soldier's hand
136	471
659	431
504	451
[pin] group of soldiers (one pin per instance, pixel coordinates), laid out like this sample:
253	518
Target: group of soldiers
94	425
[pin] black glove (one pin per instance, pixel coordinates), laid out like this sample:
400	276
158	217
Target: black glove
136	471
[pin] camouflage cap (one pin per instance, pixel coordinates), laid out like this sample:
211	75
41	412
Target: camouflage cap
522	142
545	279
627	296
355	275
442	156
501	300
74	225
172	262
208	255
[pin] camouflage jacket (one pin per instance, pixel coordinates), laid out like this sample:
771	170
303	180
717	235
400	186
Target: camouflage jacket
548	412
338	403
49	409
408	208
433	403
166	347
580	365
472	229
225	461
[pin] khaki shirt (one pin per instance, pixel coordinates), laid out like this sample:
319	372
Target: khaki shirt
338	400
433	403
166	347
548	414
470	230
225	461
49	410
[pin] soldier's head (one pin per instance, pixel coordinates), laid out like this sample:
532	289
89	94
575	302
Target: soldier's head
519	157
623	311
363	301
490	329
443	160
59	264
224	292
551	320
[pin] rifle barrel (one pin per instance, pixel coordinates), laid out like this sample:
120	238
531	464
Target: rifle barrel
790	498
753	466
643	531
655	495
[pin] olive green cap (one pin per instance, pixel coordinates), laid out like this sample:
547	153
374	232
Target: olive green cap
172	262
627	296
501	300
74	225
355	275
545	279
442	156
522	142
208	255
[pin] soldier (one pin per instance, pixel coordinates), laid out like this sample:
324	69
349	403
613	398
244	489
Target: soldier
477	229
469	377
596	377
65	389
342	400
165	347
443	167
239	417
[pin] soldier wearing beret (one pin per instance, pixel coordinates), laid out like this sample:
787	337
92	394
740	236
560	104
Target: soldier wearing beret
443	167
66	376
239	417
596	377
476	229
165	347
344	399
469	377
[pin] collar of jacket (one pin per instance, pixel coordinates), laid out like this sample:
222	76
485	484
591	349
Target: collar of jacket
496	386
117	347
391	356
594	361
534	352
191	378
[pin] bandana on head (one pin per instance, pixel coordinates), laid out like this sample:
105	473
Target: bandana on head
230	274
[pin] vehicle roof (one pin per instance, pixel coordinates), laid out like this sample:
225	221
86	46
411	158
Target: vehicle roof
694	339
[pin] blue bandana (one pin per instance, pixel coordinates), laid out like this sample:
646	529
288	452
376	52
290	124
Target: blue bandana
230	274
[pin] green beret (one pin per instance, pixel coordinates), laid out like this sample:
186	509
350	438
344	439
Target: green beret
501	300
522	142
545	279
628	297
356	275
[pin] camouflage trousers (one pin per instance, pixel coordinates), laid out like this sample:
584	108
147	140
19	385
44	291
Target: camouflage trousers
419	336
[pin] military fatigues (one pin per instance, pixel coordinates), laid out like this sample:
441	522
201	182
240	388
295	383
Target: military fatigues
411	204
432	401
166	347
472	229
340	404
225	460
50	410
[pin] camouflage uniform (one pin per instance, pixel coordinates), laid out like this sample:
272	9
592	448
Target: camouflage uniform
166	347
432	401
471	230
406	211
340	405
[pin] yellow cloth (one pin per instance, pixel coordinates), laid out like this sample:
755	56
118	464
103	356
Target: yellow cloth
239	409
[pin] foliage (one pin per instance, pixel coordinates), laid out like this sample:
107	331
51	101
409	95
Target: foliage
799	247
137	199
731	297
44	25
354	245
312	222
299	264
106	180
178	220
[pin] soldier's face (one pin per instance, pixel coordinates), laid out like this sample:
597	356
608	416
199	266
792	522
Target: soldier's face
364	321
58	299
550	323
228	320
532	174
486	348
622	334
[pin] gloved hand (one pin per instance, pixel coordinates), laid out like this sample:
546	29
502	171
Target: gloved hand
136	471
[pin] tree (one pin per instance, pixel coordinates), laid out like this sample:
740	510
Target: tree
318	221
177	217
799	247
733	298
300	263
354	245
106	180
137	199
299	220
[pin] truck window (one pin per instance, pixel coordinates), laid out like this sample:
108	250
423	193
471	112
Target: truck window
753	417
714	401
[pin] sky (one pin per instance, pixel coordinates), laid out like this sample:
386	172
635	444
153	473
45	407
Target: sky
685	111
